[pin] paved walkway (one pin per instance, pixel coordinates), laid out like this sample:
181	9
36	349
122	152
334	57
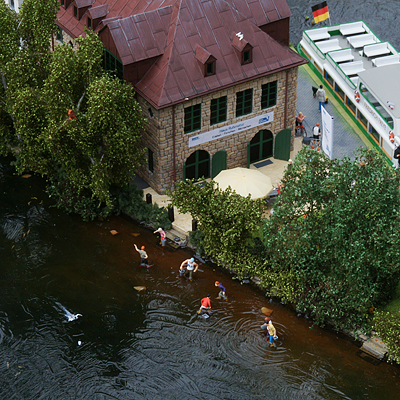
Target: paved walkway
347	137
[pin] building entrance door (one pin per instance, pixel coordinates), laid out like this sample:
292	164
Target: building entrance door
218	162
261	146
282	144
197	165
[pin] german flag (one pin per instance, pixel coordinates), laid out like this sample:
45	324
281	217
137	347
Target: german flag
320	12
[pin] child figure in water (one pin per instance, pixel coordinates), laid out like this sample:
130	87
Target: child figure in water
222	291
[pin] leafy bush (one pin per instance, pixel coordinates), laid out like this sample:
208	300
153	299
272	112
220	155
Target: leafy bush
127	199
387	326
336	229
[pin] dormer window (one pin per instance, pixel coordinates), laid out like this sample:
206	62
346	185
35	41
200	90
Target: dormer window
210	68
207	61
243	48
75	11
89	23
247	56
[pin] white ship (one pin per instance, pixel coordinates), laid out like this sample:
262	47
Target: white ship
364	73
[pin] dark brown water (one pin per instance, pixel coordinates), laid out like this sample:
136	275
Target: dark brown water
149	344
152	344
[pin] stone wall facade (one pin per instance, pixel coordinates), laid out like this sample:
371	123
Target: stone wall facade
159	136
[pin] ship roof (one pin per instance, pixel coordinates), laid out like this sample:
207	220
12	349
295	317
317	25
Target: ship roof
380	82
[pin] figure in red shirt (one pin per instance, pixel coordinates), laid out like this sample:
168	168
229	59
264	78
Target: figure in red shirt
205	305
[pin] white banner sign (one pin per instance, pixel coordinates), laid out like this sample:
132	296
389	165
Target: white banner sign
327	133
231	129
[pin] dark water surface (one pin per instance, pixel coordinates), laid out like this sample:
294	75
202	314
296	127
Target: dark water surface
151	344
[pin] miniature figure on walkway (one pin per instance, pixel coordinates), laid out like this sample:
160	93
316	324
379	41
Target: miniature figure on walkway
190	265
222	291
317	131
321	96
300	129
143	257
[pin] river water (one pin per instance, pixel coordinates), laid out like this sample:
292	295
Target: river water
151	344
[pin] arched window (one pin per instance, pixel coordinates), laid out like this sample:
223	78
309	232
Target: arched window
197	165
261	146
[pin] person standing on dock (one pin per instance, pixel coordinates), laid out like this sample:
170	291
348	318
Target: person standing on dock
321	96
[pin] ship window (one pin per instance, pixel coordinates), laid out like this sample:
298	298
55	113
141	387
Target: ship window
339	91
328	78
374	133
350	105
362	119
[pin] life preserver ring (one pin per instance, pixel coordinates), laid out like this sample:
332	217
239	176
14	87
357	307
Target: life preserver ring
391	136
357	96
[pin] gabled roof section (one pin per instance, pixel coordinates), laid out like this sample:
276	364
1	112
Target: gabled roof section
168	32
83	3
260	12
141	36
211	25
98	11
239	42
203	55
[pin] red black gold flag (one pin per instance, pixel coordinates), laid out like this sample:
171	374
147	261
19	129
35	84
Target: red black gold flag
320	12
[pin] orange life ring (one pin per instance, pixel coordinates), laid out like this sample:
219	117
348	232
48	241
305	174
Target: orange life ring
391	136
357	96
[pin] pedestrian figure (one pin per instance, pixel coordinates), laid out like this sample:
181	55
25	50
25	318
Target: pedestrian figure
143	257
205	305
397	155
222	291
265	326
316	131
271	333
191	267
163	236
321	96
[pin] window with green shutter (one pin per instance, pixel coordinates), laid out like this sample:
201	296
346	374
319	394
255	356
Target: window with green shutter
192	118
269	93
244	102
112	64
218	110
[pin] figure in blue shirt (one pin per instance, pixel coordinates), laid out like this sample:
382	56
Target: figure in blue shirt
222	291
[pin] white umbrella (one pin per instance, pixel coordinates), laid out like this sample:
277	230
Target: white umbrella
245	181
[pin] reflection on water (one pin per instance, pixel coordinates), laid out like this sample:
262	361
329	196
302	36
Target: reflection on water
150	344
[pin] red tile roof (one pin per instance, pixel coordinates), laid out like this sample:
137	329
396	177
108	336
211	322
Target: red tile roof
171	30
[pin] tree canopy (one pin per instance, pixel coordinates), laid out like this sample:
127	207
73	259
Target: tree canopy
336	228
60	113
227	220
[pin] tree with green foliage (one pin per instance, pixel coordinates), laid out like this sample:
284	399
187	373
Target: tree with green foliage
336	229
89	150
227	221
387	326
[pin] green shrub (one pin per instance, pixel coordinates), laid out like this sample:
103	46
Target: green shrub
387	326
